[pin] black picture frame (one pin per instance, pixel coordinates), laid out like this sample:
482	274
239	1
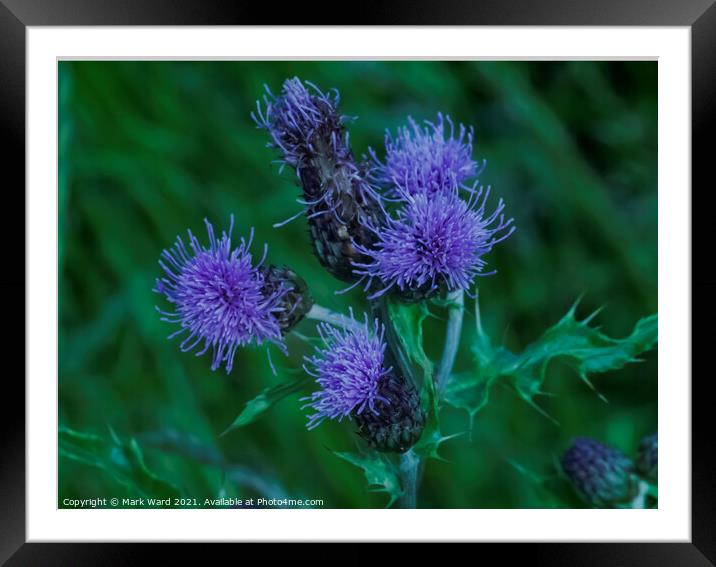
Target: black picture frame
699	15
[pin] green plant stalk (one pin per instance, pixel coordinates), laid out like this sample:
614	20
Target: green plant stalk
325	315
453	332
639	501
409	466
478	317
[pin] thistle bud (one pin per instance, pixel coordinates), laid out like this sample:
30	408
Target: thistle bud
295	301
602	476
647	460
340	203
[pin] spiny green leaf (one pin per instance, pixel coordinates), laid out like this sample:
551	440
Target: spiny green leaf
581	346
269	397
122	460
431	438
382	475
468	391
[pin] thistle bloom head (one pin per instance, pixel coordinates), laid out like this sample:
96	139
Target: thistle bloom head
348	367
647	458
220	298
427	159
434	243
310	135
599	474
300	120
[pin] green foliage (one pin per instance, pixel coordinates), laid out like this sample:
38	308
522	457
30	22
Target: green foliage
576	343
259	405
121	460
407	322
431	439
380	472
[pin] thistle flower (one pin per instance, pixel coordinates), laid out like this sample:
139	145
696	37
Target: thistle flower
425	160
310	135
355	382
348	367
647	458
221	298
434	244
600	475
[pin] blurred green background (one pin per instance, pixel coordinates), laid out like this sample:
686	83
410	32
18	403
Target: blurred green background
148	149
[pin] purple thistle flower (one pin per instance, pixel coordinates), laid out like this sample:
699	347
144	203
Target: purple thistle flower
434	243
311	136
300	122
220	297
424	159
349	369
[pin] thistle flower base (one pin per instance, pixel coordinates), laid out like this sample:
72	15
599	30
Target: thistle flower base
399	421
296	300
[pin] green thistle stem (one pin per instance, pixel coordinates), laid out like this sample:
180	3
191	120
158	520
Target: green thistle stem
478	317
456	300
325	315
639	501
409	465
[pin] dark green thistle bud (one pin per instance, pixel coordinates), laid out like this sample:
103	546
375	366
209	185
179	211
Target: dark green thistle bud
602	476
344	209
295	302
647	460
399	420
